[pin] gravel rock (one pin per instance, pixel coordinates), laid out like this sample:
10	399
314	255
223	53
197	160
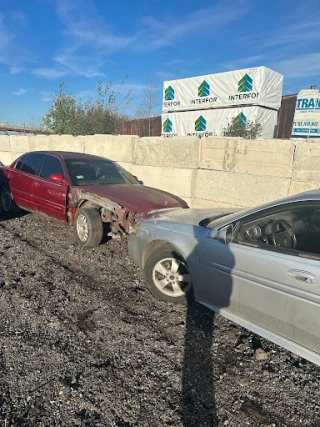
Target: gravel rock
261	354
82	342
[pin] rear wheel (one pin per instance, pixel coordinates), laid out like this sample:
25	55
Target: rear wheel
88	227
7	203
167	276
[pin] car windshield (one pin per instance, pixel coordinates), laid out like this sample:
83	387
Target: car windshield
97	172
215	221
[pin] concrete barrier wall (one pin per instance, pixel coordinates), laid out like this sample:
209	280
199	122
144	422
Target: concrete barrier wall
209	172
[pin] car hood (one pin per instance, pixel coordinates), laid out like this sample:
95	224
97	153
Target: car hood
190	216
136	198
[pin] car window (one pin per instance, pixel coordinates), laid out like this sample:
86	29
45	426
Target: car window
20	162
51	165
296	229
97	171
31	163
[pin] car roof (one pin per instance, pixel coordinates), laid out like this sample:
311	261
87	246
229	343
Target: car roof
313	195
308	196
71	155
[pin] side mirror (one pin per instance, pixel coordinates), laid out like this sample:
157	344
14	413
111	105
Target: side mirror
58	178
225	235
136	178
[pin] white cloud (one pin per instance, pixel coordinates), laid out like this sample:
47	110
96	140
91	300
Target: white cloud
87	31
182	62
296	34
50	73
19	16
15	69
291	49
82	65
157	34
11	53
75	65
46	96
306	65
20	92
249	62
85	94
85	26
6	39
163	75
178	62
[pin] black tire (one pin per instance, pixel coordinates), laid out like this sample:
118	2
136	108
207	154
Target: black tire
7	204
162	257
88	227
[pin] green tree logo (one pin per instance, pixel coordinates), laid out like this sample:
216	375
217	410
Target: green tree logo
204	89
169	93
240	119
167	126
245	84
200	124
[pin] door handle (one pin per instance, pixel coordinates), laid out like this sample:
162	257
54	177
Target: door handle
36	184
302	276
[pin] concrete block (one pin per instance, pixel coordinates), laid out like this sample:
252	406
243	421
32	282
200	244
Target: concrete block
189	201
258	157
126	166
306	166
57	143
202	203
7	158
117	148
19	144
5	143
178	152
300	187
68	143
175	181
239	189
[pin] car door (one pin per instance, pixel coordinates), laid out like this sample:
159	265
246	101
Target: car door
275	291
21	179
50	197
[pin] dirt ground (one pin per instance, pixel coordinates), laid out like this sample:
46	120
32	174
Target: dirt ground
83	343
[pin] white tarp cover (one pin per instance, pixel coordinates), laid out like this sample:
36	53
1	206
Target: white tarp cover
208	123
251	86
306	122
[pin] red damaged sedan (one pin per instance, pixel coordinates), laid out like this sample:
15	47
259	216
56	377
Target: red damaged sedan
81	190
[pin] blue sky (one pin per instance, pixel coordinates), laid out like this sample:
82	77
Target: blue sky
45	42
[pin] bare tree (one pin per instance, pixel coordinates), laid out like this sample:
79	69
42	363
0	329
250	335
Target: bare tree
149	101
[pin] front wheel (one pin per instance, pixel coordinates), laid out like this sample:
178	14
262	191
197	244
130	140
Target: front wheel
167	276
7	203
88	227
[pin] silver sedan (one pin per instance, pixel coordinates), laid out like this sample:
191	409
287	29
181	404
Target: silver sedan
258	267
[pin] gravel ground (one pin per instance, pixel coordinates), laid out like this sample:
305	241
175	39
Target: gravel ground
83	343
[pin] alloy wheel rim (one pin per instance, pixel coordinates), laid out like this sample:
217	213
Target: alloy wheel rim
82	228
171	277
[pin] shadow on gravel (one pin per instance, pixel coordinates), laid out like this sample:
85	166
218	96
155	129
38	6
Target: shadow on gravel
198	401
7	216
214	286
